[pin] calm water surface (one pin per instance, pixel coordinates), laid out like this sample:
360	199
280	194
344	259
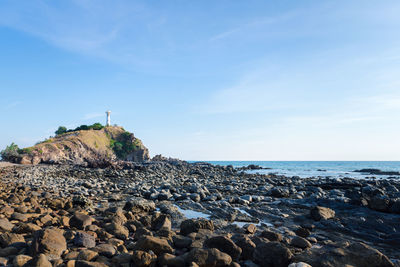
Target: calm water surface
318	168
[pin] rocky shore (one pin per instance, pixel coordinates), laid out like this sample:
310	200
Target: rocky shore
146	214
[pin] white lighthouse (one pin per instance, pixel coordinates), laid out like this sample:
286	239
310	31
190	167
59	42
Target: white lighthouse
108	122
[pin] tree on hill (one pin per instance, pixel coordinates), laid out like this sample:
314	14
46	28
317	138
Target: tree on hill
10	152
61	130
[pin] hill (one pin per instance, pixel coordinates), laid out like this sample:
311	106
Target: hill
92	147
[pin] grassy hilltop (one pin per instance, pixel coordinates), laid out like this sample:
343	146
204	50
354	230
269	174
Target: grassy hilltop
86	145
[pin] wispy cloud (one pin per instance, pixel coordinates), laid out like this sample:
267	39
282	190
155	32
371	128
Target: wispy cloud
11	105
254	23
86	27
93	115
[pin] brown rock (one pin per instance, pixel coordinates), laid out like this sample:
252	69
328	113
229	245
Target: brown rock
162	222
5	224
27	228
80	220
208	257
224	244
250	228
118	230
87	255
41	261
272	254
157	245
106	250
21	260
50	242
193	225
170	260
356	254
143	259
271	236
247	246
11	239
300	242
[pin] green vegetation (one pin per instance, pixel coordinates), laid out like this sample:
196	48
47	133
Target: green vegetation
10	152
124	145
62	129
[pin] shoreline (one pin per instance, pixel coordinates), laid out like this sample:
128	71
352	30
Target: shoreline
365	211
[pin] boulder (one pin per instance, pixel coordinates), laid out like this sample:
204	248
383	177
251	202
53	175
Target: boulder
344	254
157	245
41	261
142	258
21	260
50	242
272	254
80	220
194	225
300	242
5	225
139	204
247	246
83	239
208	257
271	236
11	239
318	213
224	244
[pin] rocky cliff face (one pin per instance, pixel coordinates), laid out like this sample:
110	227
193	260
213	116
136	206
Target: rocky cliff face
87	148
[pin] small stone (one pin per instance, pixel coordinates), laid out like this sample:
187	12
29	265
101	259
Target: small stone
299	264
3	261
250	228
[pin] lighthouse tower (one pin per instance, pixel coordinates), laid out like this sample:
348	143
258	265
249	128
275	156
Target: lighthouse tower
108	122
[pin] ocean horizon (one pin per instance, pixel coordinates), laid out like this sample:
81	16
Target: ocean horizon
305	169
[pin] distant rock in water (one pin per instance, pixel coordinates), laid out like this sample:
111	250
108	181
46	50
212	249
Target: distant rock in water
92	148
252	167
378	172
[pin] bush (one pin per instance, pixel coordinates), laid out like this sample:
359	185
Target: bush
123	146
10	152
61	130
96	126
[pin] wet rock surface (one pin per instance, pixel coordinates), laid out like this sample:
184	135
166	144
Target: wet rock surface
147	215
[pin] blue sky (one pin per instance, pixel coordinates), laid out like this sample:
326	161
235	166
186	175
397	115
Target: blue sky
208	80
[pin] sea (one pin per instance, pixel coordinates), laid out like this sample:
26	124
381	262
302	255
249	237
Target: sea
305	169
